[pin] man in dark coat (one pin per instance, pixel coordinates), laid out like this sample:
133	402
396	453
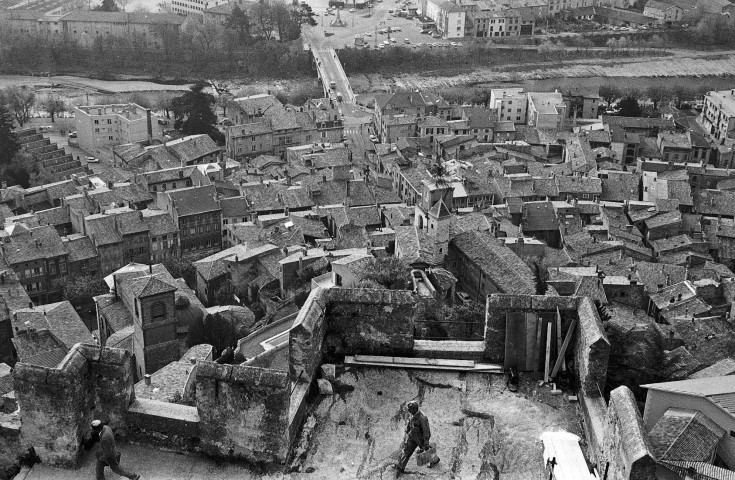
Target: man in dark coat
108	456
417	436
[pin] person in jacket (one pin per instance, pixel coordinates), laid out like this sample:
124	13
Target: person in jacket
108	456
418	435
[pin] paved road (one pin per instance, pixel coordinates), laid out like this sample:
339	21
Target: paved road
331	70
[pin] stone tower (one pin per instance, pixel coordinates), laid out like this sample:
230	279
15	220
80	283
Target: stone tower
152	302
434	217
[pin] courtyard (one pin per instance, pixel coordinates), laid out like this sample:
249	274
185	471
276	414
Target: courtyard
479	426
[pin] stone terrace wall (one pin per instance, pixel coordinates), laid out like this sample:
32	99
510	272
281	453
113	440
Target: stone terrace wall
370	322
243	411
57	404
625	446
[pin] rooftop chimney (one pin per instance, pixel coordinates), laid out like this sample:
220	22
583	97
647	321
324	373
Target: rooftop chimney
147	379
150	125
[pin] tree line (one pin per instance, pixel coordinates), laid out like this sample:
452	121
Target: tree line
199	51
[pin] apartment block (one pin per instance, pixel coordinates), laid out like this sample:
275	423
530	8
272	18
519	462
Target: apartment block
100	126
510	104
718	113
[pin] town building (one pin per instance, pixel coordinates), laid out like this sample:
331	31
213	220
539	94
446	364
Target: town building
509	104
718	114
664	12
546	110
196	213
100	126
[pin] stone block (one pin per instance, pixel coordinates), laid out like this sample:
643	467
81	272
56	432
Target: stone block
8	403
328	371
325	387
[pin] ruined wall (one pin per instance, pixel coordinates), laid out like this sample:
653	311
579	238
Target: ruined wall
591	349
57	404
243	411
499	305
370	322
625	451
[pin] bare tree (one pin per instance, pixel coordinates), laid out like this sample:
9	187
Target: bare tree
262	15
20	100
204	34
53	105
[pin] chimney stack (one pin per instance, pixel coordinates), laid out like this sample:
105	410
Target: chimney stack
150	125
147	379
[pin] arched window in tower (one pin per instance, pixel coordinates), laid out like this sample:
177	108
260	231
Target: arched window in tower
158	311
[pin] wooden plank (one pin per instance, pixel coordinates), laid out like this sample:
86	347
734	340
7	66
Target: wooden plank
446	362
514	337
478	368
531	326
564	347
537	350
547	366
558	339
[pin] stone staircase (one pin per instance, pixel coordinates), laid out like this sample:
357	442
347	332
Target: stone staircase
50	158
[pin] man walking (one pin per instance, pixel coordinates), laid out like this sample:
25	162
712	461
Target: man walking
417	436
108	456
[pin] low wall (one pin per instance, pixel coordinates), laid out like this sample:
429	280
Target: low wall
370	322
243	411
164	418
625	451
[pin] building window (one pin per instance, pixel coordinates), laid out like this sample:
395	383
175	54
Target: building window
158	311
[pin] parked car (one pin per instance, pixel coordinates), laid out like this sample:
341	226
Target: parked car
436	35
92	160
353	10
45	128
162	121
73	135
373	139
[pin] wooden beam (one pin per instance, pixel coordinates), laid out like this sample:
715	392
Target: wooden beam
558	339
537	353
547	365
564	347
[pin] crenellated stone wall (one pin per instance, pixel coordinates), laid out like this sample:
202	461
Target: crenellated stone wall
243	411
57	404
